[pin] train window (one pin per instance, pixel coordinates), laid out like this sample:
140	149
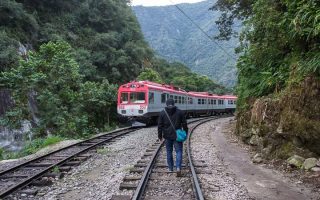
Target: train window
171	96
180	99
175	99
234	102
183	100
199	101
211	101
124	98
163	98
202	101
220	102
151	98
215	102
190	100
137	97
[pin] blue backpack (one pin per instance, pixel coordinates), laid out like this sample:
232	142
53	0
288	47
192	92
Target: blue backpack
181	134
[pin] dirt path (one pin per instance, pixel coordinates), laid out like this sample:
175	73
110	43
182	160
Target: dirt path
261	183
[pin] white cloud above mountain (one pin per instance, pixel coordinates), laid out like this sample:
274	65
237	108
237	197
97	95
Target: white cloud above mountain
161	2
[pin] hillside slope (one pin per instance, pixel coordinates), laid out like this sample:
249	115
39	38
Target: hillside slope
175	38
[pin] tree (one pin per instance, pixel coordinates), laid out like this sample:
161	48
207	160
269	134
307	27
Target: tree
66	104
150	75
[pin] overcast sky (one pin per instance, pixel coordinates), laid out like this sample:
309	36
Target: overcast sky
161	2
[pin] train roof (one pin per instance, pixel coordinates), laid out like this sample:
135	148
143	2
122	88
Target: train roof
156	86
140	85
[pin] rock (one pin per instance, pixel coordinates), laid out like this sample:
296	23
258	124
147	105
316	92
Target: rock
246	134
254	140
315	169
297	141
310	163
318	163
296	161
257	158
267	151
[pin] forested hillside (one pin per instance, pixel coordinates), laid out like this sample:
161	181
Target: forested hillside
61	63
279	74
174	37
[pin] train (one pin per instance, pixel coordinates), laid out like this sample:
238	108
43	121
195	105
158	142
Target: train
142	101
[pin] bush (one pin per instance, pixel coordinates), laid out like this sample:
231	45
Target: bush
1	153
39	143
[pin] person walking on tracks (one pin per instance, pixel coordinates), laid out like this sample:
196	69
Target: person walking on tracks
170	120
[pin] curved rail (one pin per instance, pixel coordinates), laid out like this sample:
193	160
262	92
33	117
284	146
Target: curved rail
101	139
138	194
195	180
146	174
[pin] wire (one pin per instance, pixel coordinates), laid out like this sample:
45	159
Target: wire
203	31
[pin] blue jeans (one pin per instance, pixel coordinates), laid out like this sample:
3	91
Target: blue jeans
178	146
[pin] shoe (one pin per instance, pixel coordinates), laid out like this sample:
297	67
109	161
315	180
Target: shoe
170	171
178	173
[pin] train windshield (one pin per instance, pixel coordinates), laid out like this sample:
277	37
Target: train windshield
124	98
137	97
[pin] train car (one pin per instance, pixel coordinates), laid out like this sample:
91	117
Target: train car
143	101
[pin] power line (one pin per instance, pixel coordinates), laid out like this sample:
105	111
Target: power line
203	31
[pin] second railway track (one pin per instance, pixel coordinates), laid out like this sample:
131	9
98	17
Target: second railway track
149	178
31	172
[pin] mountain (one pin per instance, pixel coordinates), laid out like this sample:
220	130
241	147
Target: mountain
173	36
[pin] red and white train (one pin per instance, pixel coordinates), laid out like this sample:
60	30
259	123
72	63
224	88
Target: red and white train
144	100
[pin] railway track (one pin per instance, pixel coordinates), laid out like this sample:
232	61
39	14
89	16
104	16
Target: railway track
150	179
39	170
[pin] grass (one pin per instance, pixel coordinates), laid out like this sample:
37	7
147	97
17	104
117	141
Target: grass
32	147
103	151
56	169
39	143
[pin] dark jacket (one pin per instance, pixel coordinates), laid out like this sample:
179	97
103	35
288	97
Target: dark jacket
178	119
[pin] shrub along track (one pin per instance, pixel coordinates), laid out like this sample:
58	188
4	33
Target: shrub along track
150	179
39	170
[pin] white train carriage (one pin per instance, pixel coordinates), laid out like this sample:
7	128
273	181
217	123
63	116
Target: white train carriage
143	100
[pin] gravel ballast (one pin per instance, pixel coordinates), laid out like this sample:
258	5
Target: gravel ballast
222	183
100	176
234	173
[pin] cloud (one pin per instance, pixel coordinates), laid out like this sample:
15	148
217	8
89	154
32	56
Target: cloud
161	2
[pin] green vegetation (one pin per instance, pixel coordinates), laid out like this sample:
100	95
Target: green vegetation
150	75
181	76
279	71
32	147
176	39
56	169
66	104
279	44
103	151
1	153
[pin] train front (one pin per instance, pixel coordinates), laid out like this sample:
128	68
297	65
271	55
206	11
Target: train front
132	102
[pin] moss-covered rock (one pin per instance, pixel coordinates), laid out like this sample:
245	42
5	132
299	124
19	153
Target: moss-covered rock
310	163
296	161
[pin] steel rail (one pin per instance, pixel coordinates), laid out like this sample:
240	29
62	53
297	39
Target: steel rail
138	194
59	150
195	180
146	174
28	180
